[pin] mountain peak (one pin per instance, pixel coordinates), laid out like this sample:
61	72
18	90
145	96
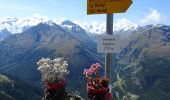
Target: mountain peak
48	25
68	22
4	33
4	30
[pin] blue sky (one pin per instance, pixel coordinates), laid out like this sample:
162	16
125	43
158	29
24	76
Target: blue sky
140	12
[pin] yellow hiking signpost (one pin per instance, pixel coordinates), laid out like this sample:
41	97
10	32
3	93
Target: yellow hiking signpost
107	6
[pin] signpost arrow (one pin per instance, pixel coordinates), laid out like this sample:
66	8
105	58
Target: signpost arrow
107	6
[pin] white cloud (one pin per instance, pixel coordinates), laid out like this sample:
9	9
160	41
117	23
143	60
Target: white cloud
153	17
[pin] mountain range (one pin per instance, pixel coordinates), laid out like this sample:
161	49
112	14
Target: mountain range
140	72
18	25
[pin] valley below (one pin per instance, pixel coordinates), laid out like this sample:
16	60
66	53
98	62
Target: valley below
141	71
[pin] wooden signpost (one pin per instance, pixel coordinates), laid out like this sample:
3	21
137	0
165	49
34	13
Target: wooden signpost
108	7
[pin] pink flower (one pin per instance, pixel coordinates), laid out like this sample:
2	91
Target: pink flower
87	72
95	81
93	69
96	66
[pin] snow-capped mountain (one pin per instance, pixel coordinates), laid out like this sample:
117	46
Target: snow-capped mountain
18	25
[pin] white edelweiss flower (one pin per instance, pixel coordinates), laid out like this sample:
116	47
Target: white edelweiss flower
55	69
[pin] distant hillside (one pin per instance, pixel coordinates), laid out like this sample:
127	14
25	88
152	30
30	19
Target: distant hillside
143	67
12	88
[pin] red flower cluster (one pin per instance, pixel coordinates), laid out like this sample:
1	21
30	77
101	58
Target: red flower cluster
56	86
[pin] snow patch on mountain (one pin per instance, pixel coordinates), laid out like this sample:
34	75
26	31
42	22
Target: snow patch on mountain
67	26
124	24
100	27
94	27
50	23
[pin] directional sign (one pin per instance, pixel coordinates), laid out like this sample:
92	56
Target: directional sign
108	44
107	6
